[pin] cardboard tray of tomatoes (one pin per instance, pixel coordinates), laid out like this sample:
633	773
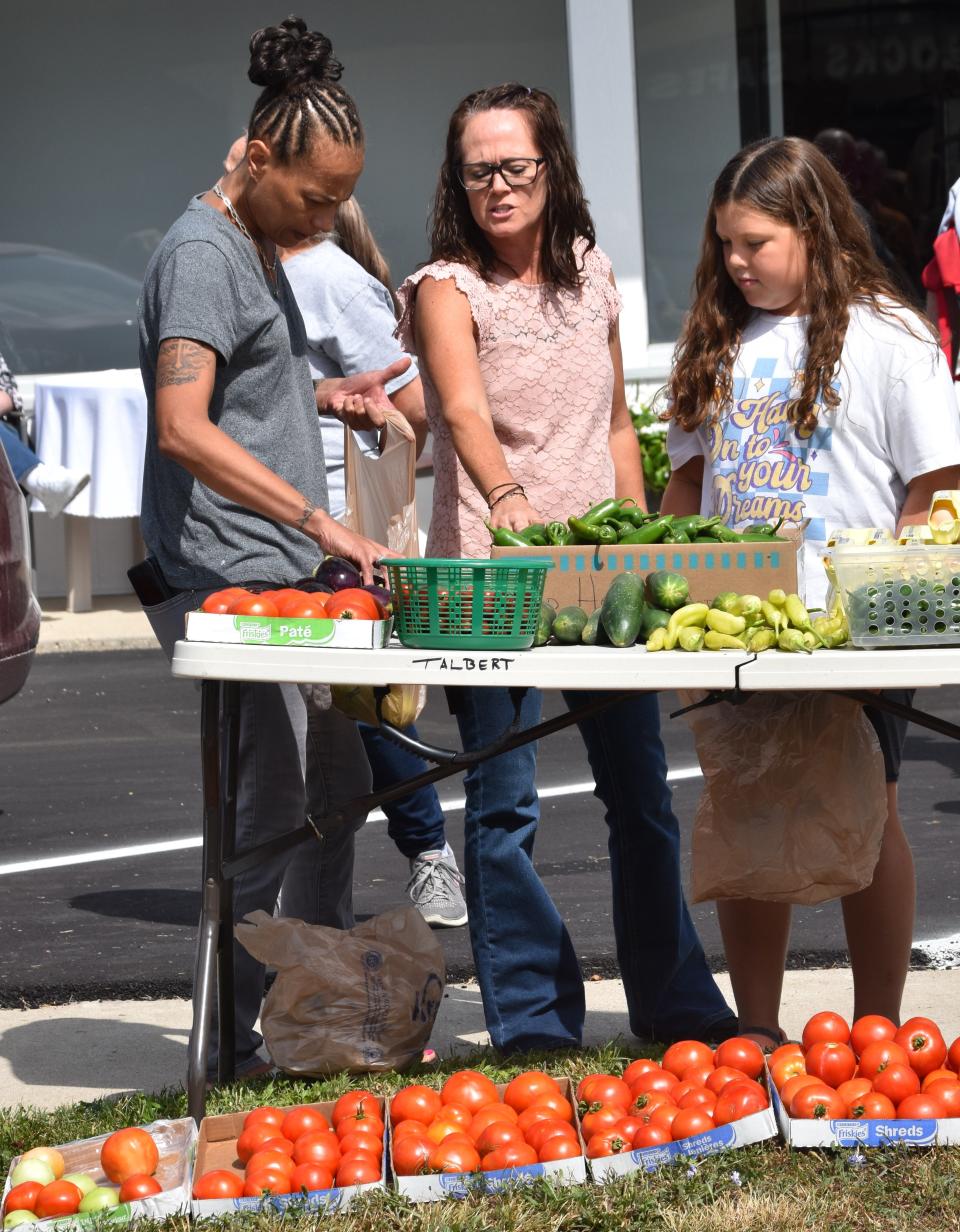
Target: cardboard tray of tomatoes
355	634
175	1140
431	1187
217	1149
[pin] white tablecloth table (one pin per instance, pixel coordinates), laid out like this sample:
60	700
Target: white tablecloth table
95	422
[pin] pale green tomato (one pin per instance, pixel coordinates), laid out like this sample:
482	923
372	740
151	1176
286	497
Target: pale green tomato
32	1170
99	1199
82	1181
15	1218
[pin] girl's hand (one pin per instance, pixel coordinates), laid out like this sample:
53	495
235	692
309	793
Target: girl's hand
515	513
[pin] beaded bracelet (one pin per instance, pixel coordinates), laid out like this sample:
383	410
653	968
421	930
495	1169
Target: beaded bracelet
516	491
497	486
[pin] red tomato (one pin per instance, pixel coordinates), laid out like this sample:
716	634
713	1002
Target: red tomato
57	1198
470	1089
700	1097
790	1049
607	1142
303	1120
879	1056
603	1089
738	1100
136	1187
816	1103
221	600
897	1082
283	1145
361	1142
721	1076
855	1089
869	1029
410	1155
307	1178
529	1088
415	1103
647	1103
536	1112
690	1121
651	1135
319	1148
560	1106
825	1026
359	1168
600	1119
742	1054
664	1116
266	1114
559	1146
129	1152
514	1155
454	1157
22	1197
371	1125
496	1135
403	1128
538	1133
923	1044
353	604
254	1138
948	1092
787	1067
832	1063
273	1160
489	1114
218	1183
634	1070
354	1102
685	1054
252	605
953	1056
266	1181
442	1127
920	1107
654	1080
697	1074
871	1107
935	1075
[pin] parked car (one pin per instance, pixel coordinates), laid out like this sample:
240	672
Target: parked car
19	610
63	313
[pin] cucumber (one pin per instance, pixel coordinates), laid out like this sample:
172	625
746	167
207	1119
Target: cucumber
568	624
544	625
667	590
653	618
622	609
591	630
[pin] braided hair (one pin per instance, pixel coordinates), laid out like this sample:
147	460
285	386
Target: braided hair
301	95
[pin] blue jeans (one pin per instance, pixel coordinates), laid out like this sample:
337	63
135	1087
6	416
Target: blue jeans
528	972
414	822
21	457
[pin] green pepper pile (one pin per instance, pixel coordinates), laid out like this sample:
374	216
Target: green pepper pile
614	521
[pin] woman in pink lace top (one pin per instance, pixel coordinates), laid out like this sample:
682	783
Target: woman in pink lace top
515	325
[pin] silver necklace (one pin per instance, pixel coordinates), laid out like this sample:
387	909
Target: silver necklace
239	224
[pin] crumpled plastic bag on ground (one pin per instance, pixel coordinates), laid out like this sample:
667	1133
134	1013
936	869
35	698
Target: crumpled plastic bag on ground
362	1000
794	799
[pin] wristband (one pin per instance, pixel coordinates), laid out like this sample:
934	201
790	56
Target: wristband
515	491
497	486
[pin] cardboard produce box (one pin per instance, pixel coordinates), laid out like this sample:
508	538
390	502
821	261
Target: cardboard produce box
583	575
434	1186
175	1141
217	1148
287	631
851	1132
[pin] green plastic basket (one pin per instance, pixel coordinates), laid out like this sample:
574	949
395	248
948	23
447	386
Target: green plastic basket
467	604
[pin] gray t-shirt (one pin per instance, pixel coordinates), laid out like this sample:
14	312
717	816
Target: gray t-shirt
205	282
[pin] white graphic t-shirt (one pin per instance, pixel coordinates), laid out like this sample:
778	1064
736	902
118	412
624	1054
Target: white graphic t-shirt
897	418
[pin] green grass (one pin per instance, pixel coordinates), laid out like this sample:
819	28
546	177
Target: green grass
763	1188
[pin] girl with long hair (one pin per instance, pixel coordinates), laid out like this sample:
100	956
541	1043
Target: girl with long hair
804	387
514	322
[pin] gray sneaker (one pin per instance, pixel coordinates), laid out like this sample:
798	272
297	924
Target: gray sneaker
436	888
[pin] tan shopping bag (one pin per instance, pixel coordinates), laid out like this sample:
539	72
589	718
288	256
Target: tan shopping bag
381	504
794	798
364	1000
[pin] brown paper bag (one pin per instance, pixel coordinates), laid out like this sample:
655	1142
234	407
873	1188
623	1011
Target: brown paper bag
794	799
362	1001
381	504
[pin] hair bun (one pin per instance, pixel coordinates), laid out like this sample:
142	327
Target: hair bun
288	54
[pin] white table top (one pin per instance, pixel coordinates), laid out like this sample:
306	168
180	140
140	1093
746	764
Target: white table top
95	422
571	667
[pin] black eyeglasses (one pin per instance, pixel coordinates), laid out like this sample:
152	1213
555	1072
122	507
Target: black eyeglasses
515	172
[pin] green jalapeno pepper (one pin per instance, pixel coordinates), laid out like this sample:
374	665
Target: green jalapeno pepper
650	532
558	534
603	509
503	537
586	532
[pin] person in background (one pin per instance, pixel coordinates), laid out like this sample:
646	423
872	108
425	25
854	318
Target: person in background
342	287
794	310
515	325
52	485
234	488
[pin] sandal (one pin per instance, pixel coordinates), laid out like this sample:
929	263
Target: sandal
775	1036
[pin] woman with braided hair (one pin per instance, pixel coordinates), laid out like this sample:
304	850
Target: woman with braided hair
234	488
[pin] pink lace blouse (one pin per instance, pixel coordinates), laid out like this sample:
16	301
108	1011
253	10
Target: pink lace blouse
545	359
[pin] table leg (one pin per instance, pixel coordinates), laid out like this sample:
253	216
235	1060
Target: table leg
79	563
226	1069
210	911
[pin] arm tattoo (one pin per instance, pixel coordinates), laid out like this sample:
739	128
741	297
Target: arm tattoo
181	362
308	511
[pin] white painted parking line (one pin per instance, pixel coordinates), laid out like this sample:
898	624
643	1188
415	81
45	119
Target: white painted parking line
454	805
